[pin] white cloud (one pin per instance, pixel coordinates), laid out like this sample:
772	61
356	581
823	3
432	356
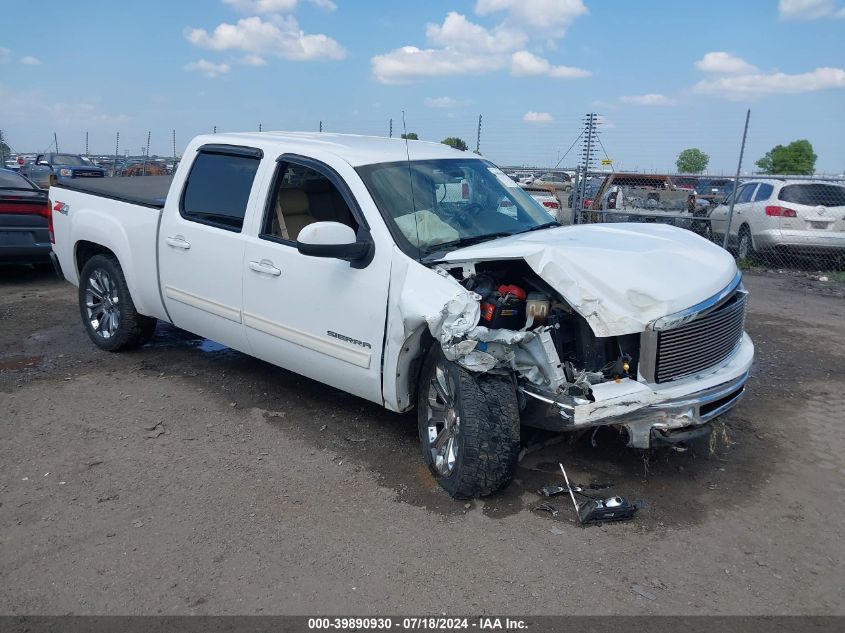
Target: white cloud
541	17
525	63
29	60
279	36
325	5
209	69
445	102
262	6
538	117
743	86
464	48
651	99
410	63
724	63
253	60
459	33
5	54
809	9
461	47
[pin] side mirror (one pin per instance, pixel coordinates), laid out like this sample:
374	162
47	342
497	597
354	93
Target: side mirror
332	239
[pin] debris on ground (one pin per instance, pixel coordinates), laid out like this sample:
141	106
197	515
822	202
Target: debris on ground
643	593
546	507
157	430
596	509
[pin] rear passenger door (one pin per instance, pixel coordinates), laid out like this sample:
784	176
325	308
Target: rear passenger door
320	317
201	246
754	214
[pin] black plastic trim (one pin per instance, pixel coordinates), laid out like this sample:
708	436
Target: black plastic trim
232	150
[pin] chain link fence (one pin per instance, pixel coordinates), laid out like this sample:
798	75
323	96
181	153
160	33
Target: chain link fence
768	221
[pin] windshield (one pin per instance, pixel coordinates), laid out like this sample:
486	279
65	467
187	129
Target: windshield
436	205
11	180
68	159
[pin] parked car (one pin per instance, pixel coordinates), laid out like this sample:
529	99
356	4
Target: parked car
802	217
690	183
547	198
557	181
335	257
714	190
25	220
139	169
48	168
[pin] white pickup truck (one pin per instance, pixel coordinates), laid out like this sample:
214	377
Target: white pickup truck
342	258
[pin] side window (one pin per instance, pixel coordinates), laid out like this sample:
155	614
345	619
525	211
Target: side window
217	189
303	195
746	193
764	191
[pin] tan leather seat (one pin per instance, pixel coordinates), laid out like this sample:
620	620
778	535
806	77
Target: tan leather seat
292	212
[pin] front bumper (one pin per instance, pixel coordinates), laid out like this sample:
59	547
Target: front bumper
651	414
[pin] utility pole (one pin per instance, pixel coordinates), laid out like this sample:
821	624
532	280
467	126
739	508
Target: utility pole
174	148
116	150
146	154
590	134
2	150
86	144
736	181
56	142
259	127
478	137
321	126
391	129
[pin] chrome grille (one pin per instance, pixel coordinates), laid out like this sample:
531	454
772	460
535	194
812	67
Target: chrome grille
701	343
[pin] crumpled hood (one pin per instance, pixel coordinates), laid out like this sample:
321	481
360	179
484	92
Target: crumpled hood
617	276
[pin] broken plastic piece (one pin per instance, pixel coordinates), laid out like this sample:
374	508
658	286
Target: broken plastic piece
596	510
546	507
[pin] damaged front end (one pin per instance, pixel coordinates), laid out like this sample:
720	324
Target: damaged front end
661	386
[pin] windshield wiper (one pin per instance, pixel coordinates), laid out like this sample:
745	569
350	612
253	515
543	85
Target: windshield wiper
540	226
474	239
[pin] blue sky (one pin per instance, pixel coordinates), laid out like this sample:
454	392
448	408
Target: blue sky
664	75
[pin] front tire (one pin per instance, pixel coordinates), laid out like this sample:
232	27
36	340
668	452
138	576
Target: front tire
107	309
744	247
468	426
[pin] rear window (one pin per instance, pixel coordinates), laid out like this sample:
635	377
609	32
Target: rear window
11	180
218	189
814	195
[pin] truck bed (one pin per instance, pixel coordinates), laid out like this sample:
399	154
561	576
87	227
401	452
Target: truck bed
147	191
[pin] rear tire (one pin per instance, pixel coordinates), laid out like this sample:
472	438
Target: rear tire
744	245
468	426
107	309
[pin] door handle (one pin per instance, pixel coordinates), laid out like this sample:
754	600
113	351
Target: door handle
178	242
265	267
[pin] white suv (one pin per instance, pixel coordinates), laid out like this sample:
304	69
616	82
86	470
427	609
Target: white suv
789	216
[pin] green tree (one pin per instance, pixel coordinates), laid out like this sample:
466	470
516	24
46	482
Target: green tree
797	158
692	161
457	143
411	136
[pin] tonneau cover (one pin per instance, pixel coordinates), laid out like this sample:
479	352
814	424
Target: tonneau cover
148	191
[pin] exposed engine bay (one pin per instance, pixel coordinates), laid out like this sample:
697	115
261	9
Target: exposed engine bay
524	326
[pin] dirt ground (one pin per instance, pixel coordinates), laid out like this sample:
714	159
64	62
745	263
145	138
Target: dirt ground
187	478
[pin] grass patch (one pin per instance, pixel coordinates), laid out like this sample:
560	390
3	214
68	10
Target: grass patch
744	264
